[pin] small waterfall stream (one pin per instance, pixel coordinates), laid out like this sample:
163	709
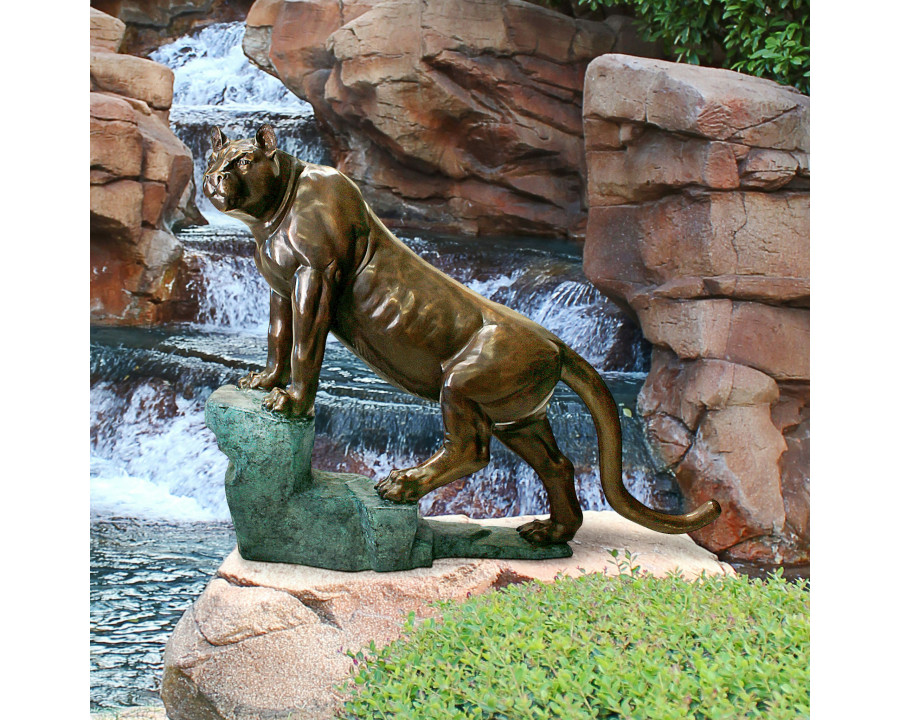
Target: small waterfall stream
160	524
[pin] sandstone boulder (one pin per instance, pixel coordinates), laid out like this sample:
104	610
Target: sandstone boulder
697	101
457	115
106	31
791	417
268	640
655	163
116	146
768	338
116	210
134	77
714	425
698	224
735	459
757	242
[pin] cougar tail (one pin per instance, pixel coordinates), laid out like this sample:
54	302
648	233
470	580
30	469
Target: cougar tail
587	383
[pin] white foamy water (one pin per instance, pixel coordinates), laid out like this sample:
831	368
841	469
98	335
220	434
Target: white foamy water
492	287
232	294
115	493
574	311
211	69
152	455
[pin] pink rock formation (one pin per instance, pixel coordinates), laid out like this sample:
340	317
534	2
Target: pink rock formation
140	182
699	225
453	115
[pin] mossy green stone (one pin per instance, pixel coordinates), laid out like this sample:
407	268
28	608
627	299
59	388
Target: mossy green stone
457	539
285	511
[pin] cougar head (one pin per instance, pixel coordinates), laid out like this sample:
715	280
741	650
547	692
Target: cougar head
243	175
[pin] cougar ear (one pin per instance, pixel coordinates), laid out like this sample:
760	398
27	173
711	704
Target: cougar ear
218	139
265	138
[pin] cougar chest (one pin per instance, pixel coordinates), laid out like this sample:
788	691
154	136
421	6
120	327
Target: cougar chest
277	263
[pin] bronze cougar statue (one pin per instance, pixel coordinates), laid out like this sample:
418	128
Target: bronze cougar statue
333	266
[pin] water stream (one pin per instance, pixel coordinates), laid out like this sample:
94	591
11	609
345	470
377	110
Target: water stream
160	524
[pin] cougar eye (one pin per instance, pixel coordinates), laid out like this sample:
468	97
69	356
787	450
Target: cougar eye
243	162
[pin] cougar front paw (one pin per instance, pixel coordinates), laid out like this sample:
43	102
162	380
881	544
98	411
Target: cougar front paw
283	402
403	486
263	380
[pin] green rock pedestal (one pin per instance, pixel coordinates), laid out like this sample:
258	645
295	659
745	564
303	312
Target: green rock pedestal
285	511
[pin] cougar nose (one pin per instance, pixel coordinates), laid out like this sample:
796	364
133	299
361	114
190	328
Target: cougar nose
212	180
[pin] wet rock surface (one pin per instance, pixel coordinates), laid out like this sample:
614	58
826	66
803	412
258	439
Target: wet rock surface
698	186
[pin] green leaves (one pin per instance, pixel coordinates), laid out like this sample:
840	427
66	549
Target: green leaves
628	647
766	39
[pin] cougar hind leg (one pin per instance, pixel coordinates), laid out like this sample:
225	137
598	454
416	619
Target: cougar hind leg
502	375
534	442
465	449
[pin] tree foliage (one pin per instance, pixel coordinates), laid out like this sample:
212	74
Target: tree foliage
766	38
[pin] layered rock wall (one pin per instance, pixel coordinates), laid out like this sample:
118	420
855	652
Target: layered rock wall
140	182
452	115
698	187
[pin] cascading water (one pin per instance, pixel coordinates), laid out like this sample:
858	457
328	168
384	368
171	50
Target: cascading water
160	521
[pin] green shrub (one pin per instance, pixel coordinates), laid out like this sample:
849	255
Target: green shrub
767	38
593	647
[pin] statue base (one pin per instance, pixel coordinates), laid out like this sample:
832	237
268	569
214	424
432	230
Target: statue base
284	511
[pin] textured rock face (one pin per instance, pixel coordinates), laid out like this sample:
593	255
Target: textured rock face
151	24
266	640
107	32
140	182
453	115
698	187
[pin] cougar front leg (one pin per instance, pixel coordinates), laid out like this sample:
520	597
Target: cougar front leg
277	370
311	300
466	448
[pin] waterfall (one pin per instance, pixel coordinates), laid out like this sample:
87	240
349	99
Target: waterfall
231	294
141	465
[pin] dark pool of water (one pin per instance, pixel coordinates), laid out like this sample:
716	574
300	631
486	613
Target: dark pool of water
144	575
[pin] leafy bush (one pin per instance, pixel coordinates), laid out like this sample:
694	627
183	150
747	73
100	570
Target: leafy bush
767	38
632	646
